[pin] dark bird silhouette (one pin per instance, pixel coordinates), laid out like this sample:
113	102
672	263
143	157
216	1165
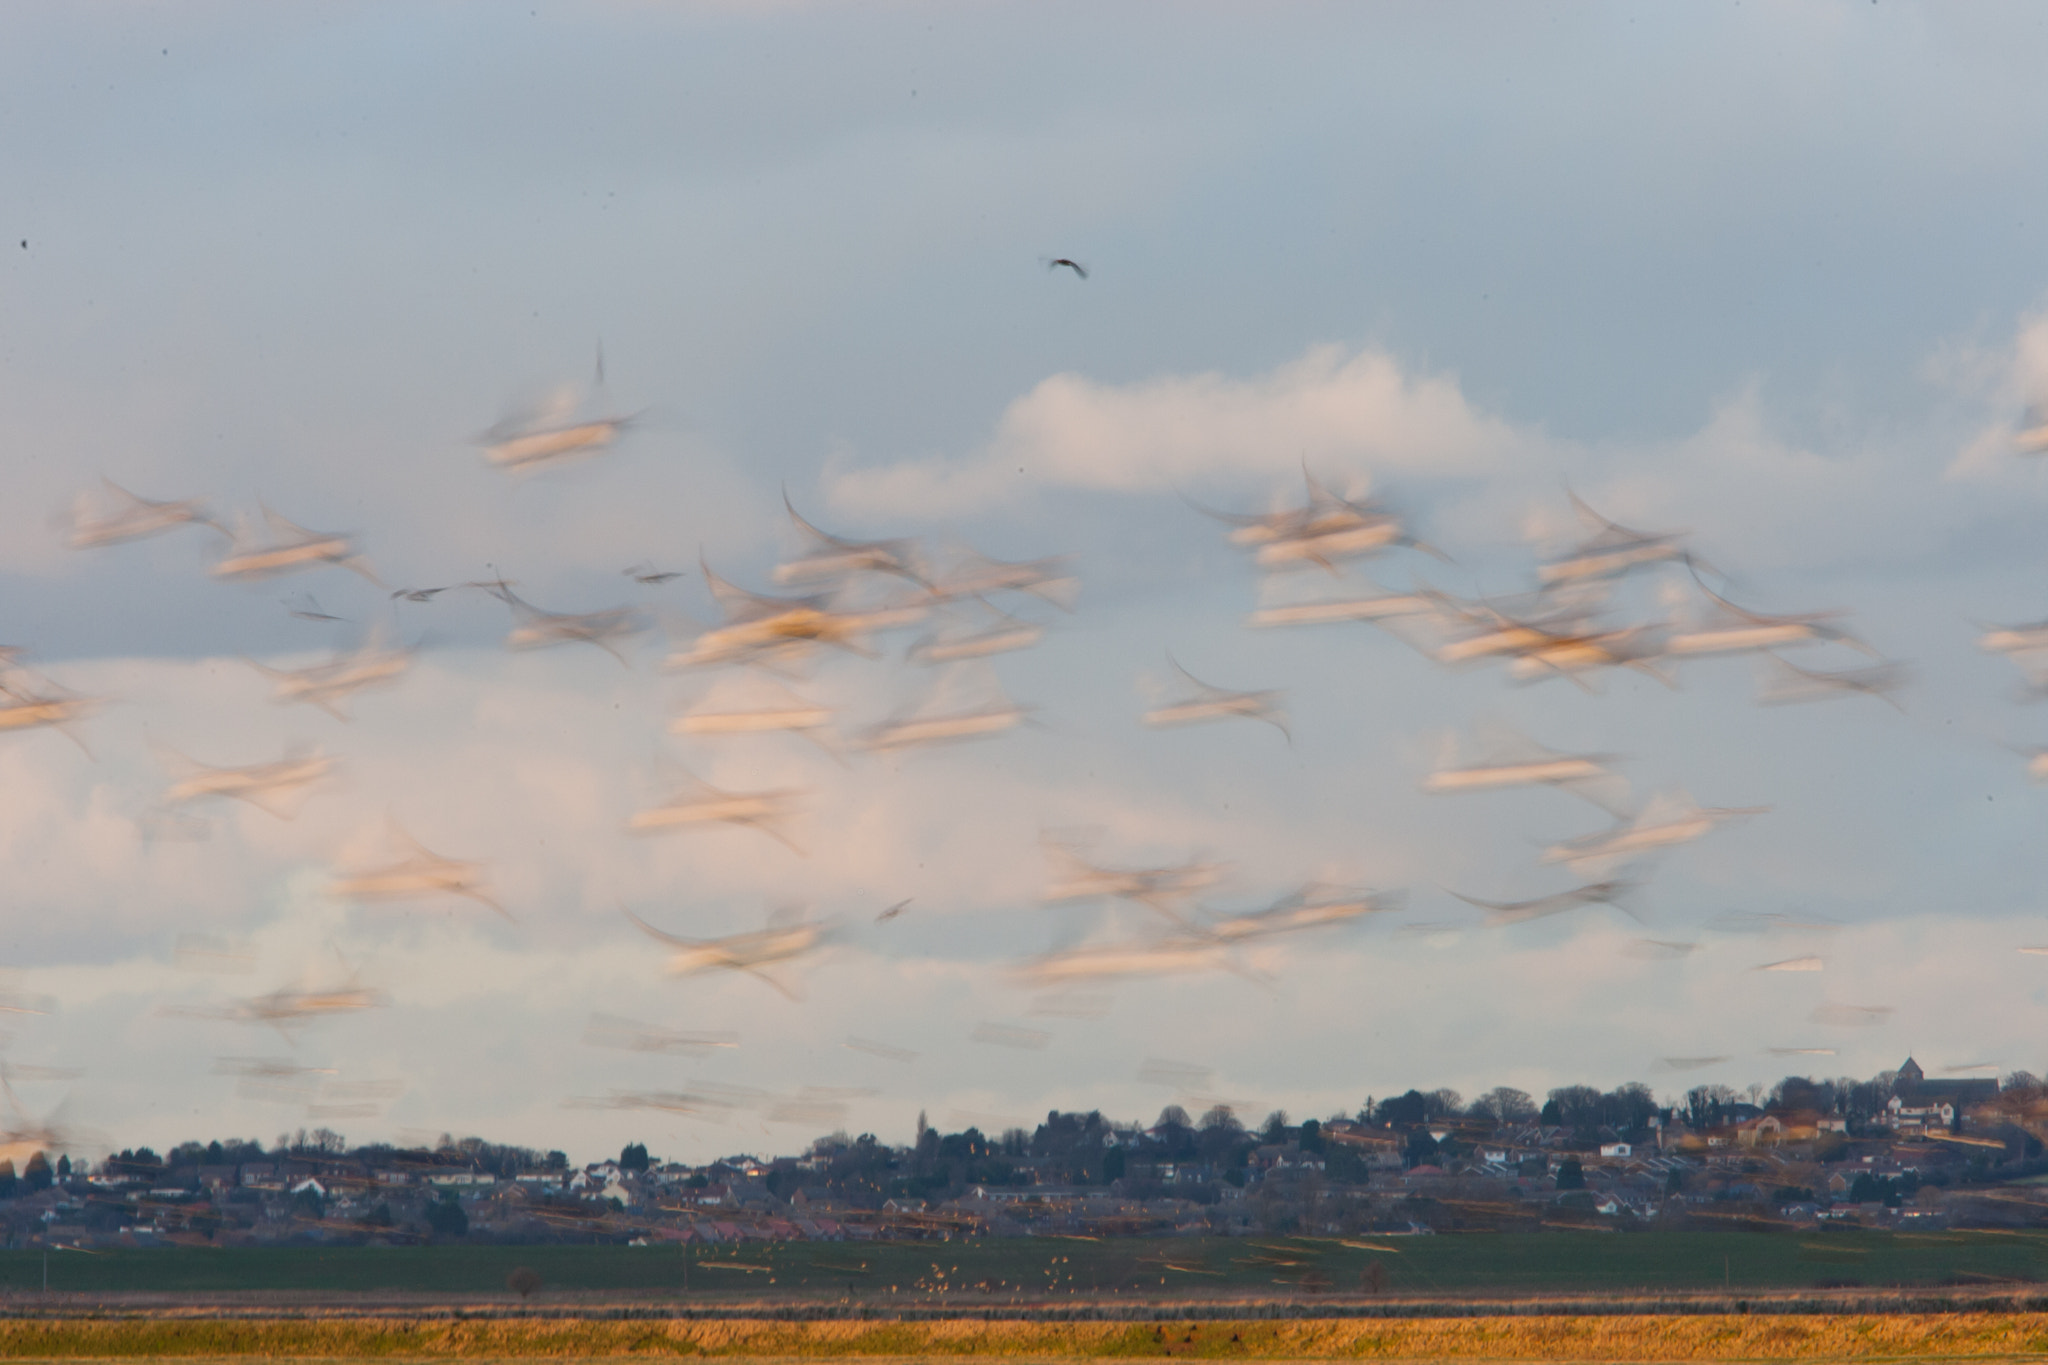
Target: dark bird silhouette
309	610
649	575
1074	266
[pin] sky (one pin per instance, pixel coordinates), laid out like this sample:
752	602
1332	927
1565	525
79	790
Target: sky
1766	274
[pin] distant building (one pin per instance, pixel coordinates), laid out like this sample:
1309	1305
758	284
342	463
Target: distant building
1919	1105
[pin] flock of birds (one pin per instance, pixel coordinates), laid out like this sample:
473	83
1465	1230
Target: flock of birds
846	596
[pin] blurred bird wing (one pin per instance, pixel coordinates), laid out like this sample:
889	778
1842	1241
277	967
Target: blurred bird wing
1666	807
1604	534
1499	743
285	529
664	936
739	604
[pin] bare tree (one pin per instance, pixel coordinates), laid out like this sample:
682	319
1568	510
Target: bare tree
1504	1104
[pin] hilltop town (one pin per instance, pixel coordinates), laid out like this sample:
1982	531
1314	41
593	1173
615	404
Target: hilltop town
1899	1149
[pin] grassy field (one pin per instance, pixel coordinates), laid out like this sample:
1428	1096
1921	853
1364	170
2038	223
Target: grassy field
1041	1269
1942	1337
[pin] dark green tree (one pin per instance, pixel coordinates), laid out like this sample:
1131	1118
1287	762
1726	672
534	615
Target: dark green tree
633	1157
1570	1176
446	1218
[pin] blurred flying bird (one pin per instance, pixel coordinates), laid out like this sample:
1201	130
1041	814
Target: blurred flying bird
609	1030
1123	959
1326	530
1000	636
1313	907
329	684
420	873
417	594
15	1002
700	803
1610	550
278	788
528	442
892	912
770	630
289	549
1801	1051
1011	1035
1207	703
1182	1076
23	1137
306	607
290	1007
536	629
1788	684
1688	1063
649	575
1660	948
1568	656
1769	922
1612	893
765	709
883	1050
831	558
1511	759
1493	629
1162	890
967	702
1666	820
1329	611
1074	266
2027	646
29	701
1735	630
1854	1016
976	575
1794	964
132	518
745	952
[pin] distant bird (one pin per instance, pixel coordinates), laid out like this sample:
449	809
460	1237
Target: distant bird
650	576
308	609
1206	703
291	548
130	517
327	685
419	873
892	912
417	594
1074	266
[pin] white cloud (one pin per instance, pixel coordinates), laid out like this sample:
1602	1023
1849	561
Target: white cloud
2006	382
1330	408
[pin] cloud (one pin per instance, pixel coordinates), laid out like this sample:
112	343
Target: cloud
1329	407
2006	381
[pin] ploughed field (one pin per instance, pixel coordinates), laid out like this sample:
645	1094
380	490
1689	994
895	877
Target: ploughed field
1048	1271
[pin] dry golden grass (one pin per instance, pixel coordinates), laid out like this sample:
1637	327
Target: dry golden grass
1537	1338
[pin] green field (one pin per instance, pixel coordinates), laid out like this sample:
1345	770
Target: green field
1035	1269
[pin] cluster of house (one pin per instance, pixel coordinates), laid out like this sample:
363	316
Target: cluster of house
1944	1152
